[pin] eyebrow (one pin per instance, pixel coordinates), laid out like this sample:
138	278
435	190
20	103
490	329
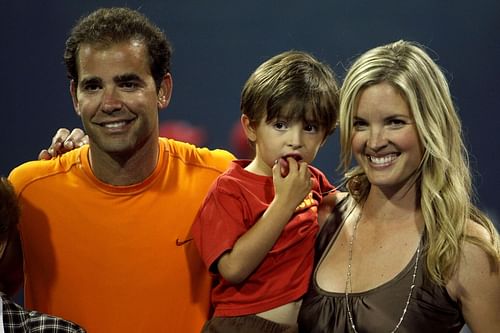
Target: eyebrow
90	80
386	118
127	77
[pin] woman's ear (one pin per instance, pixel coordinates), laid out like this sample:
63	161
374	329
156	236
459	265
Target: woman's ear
248	128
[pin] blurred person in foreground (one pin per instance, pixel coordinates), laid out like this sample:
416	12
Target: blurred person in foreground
13	317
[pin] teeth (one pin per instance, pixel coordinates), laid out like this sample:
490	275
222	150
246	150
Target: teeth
382	160
115	125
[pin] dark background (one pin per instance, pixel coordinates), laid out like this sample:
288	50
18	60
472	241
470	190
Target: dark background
217	44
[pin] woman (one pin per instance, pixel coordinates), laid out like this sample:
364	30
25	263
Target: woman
406	250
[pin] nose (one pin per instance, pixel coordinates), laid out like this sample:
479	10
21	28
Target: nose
376	138
110	100
295	137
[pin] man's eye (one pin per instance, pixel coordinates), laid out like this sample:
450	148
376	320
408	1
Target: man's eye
129	85
91	87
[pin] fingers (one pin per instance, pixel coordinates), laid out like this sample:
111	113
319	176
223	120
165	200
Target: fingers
64	141
75	139
60	136
298	166
277	170
44	155
292	188
290	168
57	145
84	141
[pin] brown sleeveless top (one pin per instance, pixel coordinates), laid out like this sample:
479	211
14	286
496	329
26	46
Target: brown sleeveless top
431	309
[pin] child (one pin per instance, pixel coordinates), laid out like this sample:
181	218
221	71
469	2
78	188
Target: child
257	226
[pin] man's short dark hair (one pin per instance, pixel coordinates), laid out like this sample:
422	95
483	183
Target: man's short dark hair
108	26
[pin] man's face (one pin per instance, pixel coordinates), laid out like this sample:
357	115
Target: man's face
116	98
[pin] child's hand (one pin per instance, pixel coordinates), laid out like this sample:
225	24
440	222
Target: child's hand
293	185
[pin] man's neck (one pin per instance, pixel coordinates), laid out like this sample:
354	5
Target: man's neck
124	169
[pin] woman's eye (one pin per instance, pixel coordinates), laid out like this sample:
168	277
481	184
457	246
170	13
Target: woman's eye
359	125
396	123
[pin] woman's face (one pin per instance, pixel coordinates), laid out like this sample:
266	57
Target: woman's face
385	141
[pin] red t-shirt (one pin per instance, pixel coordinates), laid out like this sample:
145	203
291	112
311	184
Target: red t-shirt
235	201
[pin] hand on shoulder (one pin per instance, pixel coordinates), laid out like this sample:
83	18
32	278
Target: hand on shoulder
63	141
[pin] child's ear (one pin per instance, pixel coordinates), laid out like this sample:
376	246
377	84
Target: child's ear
248	128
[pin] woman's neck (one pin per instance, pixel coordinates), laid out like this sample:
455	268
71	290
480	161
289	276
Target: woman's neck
391	207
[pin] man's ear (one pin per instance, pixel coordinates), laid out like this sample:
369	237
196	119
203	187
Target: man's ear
248	128
72	91
165	91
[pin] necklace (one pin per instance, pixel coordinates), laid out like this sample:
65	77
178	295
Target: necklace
348	283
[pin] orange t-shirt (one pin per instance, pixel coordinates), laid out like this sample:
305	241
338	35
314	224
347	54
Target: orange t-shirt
117	258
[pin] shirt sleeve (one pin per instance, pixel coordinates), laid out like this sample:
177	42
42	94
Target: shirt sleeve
218	225
322	185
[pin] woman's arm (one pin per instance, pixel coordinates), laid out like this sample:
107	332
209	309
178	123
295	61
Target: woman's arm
476	285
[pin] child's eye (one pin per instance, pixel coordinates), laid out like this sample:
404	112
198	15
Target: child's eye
311	128
279	125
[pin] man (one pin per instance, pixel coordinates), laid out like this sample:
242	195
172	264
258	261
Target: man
13	317
106	227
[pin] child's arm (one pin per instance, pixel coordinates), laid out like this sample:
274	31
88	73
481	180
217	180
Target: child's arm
251	248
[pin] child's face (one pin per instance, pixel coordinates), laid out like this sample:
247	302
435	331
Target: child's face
281	138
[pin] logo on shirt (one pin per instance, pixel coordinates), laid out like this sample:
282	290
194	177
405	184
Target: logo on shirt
308	202
180	242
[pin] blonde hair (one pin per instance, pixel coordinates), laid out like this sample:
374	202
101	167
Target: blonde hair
443	178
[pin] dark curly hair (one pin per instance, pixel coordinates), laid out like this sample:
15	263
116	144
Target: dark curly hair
9	208
107	26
